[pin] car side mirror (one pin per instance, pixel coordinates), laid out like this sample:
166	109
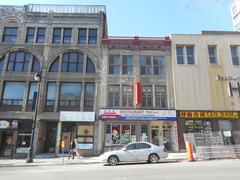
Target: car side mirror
124	149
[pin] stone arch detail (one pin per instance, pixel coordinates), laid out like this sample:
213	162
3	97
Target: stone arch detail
17	19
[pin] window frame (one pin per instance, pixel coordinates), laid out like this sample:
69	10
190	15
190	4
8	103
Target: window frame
92	38
11	36
235	55
40	35
55	37
214	55
30	35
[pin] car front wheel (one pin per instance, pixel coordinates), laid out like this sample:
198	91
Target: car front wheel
153	158
113	160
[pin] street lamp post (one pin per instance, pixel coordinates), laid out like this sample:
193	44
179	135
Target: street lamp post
37	77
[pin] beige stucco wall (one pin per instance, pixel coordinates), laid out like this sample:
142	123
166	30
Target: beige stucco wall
196	86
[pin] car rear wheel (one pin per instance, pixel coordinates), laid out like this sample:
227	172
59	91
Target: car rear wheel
153	158
113	160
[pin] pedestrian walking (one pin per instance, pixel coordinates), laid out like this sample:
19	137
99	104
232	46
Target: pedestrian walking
72	151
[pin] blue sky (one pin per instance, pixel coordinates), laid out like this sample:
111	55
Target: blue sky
156	17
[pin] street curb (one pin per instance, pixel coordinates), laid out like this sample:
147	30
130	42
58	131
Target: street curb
78	163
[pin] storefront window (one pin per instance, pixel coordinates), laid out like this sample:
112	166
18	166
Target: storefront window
23	144
144	132
120	134
85	136
198	126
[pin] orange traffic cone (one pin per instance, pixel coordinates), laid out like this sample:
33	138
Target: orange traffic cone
189	152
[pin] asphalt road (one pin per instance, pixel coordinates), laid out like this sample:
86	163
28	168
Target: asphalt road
216	170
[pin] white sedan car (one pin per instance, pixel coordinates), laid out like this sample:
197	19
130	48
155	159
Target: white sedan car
136	152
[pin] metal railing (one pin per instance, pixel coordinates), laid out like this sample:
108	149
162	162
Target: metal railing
215	145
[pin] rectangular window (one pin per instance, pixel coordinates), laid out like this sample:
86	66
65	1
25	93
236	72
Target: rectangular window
127	96
144	132
10	34
41	35
13	93
190	54
160	97
212	54
67	35
92	36
32	92
145	62
85	136
180	57
82	36
18	61
30	35
89	97
70	94
159	65
114	64
127	64
234	54
147	96
57	33
114	96
51	94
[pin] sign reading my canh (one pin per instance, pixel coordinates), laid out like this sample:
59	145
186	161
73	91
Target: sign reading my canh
208	114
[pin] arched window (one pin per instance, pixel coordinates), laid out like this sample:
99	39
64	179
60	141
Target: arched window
54	65
19	61
72	62
1	63
90	66
35	65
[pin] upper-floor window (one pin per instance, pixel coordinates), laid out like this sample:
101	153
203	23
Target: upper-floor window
30	35
160	96
32	94
180	57
234	54
127	64
147	96
89	96
127	96
70	94
114	96
185	54
145	63
51	94
13	93
73	62
82	36
212	54
1	63
19	61
190	54
67	35
92	36
159	65
10	34
57	32
41	35
114	64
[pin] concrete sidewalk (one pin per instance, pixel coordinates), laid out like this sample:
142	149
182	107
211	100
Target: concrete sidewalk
46	159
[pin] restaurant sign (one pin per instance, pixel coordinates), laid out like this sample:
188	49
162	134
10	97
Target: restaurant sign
137	114
208	114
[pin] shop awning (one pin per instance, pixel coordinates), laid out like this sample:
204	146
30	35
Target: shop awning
68	116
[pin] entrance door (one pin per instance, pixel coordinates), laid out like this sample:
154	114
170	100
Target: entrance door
155	136
66	136
6	144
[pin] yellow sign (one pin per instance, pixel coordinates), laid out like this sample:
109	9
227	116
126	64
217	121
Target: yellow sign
210	114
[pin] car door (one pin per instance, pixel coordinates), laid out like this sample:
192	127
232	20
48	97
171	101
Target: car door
143	151
129	153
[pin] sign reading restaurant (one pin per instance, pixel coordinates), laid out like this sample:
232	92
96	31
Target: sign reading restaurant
137	114
209	114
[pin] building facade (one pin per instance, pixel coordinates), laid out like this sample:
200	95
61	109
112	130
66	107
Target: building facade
206	82
63	43
137	101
